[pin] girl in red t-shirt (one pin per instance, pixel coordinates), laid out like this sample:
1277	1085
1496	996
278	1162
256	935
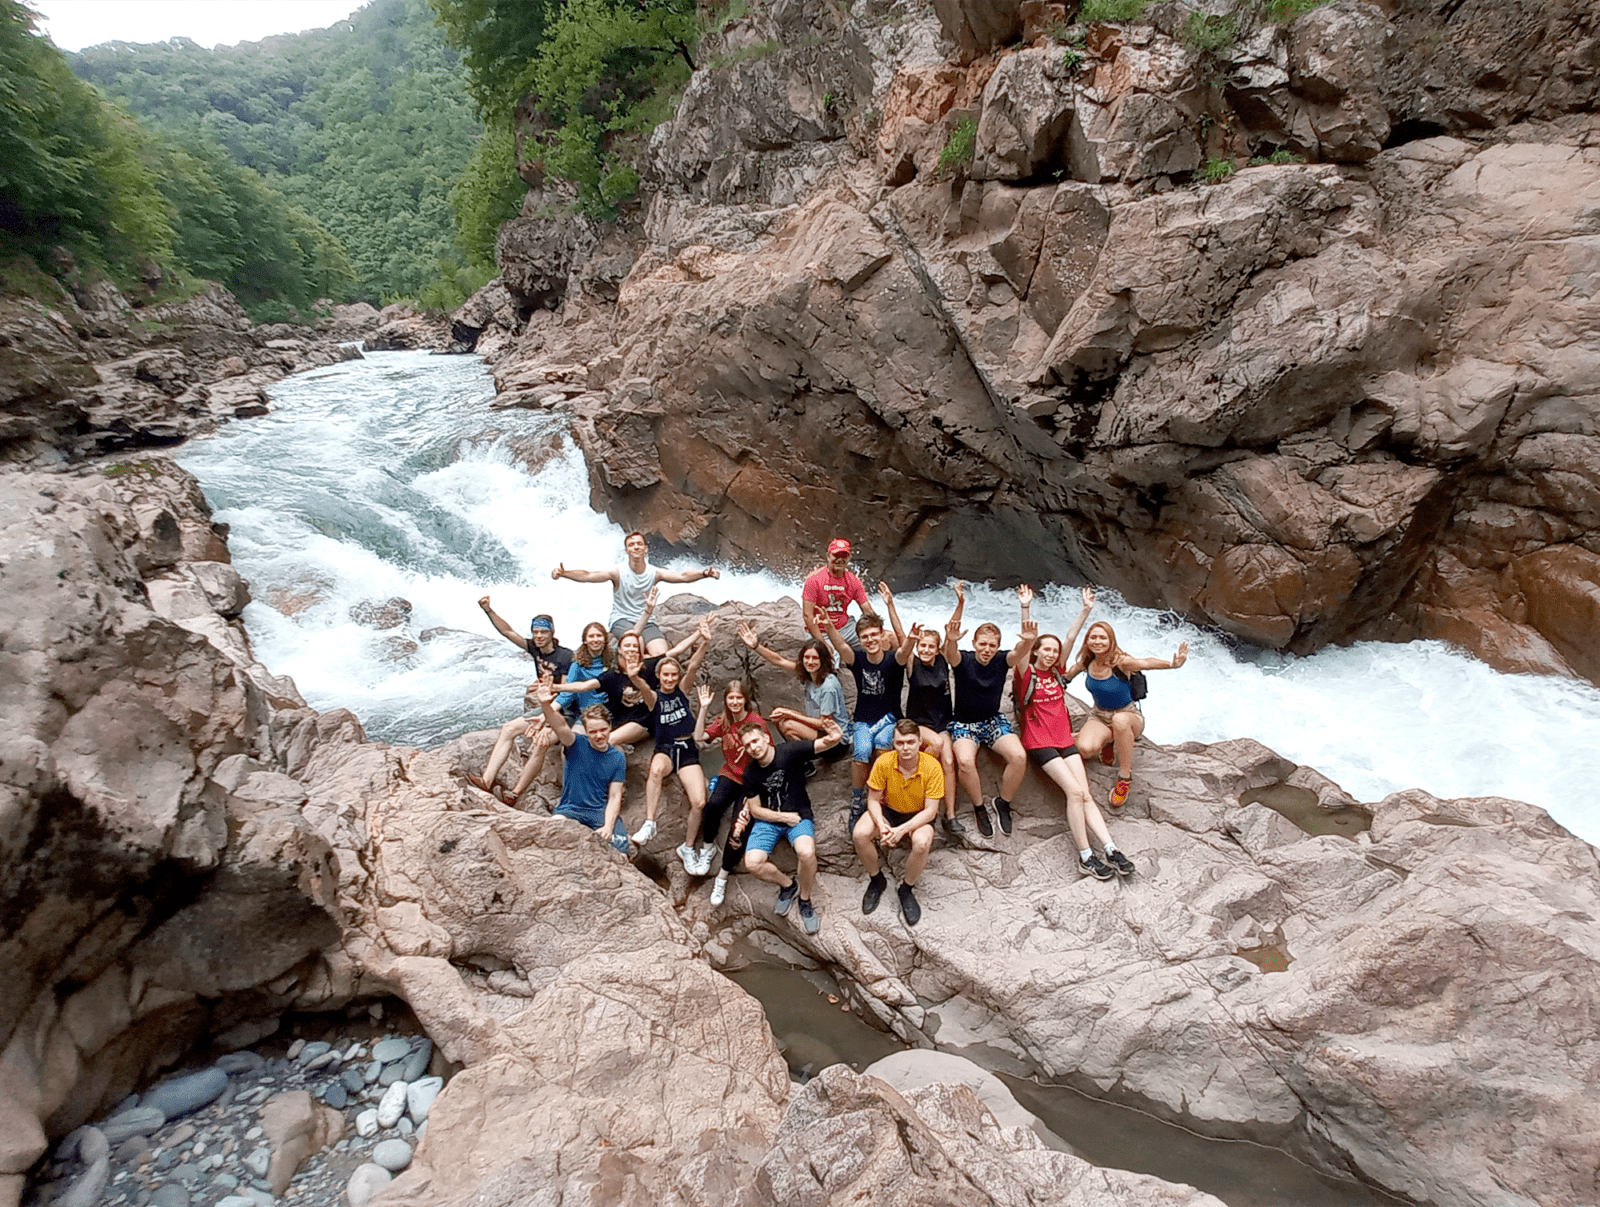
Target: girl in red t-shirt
728	788
1041	696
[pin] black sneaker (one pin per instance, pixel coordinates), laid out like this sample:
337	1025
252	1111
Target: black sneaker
1096	867
1121	862
953	827
909	909
1002	810
808	917
874	893
786	898
980	813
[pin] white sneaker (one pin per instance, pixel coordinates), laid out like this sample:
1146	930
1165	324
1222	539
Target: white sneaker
690	857
719	891
707	854
644	833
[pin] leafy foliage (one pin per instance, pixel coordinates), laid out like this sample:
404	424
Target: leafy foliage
497	39
960	147
1216	170
1280	156
363	126
1284	12
1211	34
1110	10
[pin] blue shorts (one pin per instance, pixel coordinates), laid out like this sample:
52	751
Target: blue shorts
865	739
594	819
984	733
764	835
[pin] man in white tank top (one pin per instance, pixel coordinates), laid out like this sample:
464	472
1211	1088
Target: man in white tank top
631	584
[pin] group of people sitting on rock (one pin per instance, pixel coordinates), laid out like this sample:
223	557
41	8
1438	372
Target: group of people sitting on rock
923	707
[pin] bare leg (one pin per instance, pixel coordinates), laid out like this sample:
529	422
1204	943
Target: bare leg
656	647
1094	735
693	780
938	745
1010	748
539	746
921	845
805	849
629	734
760	866
509	732
660	765
1127	726
1083	815
966	751
865	836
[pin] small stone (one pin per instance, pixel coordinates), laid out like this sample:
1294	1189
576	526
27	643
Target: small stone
199	1148
367	1124
336	1097
236	1200
417	1063
404	1127
391	1073
373	1070
187	1174
375	1012
225	1181
393	1155
328	1060
240	1062
170	1196
184	1094
140	1121
180	1133
352	1052
93	1145
392	1105
258	1196
166	1161
353	1081
422	1130
127	1104
364	1182
311	1051
296	1048
132	1149
420	1095
257	1161
214	1161
67	1149
386	1051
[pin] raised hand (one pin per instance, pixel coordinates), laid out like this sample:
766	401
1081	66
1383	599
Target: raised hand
1088	598
1181	656
884	592
559	572
1030	630
484	603
703	692
652	598
961	590
705	628
545	690
747	634
711	572
916	631
632	664
1025	595
953	630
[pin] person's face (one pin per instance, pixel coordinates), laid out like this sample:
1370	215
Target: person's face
1099	641
838	562
631	648
594	640
986	645
927	646
811	661
598	731
906	746
635	547
544	640
1049	653
733	701
756	744
871	638
669	674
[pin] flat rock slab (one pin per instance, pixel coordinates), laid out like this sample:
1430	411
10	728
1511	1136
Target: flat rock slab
386	1051
184	1094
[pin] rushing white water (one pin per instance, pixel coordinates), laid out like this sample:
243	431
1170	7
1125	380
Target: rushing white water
391	476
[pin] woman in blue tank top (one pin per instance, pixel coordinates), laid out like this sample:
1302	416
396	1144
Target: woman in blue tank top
1116	722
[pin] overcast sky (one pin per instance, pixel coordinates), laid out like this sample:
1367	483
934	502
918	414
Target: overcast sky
74	24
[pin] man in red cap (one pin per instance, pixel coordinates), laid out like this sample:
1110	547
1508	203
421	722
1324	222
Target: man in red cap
831	587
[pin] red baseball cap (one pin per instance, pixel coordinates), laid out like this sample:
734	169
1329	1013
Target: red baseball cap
838	545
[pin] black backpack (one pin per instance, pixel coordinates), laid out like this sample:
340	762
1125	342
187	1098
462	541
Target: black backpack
1137	687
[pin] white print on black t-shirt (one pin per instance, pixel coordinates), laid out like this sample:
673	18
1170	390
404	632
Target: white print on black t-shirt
630	696
872	683
772	789
673	710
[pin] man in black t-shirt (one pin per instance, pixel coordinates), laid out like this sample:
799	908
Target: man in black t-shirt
880	682
777	801
551	661
980	678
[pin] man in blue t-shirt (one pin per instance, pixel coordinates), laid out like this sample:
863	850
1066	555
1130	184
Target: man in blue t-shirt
592	791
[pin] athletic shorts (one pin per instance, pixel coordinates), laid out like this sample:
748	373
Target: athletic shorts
764	835
865	739
682	752
984	733
894	817
652	631
1048	754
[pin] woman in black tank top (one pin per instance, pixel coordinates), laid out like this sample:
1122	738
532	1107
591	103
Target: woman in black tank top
928	704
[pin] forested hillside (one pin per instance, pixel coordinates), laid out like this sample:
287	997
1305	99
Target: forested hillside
366	125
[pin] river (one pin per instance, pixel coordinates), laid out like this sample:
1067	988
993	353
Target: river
393	477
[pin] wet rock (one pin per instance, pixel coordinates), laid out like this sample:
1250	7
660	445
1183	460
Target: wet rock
353	1081
387	1051
312	1051
385	614
416	1064
336	1096
140	1121
184	1094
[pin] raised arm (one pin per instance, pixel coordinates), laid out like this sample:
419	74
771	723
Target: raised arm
908	645
1024	647
1157	664
585	576
697	659
687	576
748	636
646	692
952	627
825	623
546	693
650	599
704	694
894	614
832	735
1077	625
500	626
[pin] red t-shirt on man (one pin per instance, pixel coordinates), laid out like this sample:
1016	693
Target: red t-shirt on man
833	593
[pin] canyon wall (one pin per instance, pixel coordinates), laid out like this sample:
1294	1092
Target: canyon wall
1295	335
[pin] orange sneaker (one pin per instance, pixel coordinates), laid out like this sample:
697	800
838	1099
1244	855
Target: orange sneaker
1119	794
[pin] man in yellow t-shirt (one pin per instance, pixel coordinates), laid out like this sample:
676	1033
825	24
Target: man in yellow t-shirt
904	792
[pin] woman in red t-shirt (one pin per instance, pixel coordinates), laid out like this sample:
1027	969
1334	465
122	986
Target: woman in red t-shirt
728	788
1040	693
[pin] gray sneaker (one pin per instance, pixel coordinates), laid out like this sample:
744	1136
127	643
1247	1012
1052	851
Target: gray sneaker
808	917
786	898
1096	867
1120	862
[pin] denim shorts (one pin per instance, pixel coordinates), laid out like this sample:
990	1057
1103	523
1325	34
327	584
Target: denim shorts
594	819
984	733
865	739
764	835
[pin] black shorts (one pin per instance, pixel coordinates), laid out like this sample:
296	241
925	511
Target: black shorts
896	818
682	751
1041	755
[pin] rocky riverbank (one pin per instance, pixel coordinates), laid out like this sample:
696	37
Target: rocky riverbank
1278	329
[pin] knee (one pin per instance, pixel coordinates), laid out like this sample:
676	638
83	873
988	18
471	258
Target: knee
754	859
1122	723
865	829
512	728
922	840
966	760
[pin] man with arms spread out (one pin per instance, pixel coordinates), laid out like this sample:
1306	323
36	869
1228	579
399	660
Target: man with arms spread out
776	797
592	792
630	584
553	661
831	588
880	681
906	788
980	678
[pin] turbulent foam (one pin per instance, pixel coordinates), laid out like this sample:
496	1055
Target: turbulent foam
376	478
